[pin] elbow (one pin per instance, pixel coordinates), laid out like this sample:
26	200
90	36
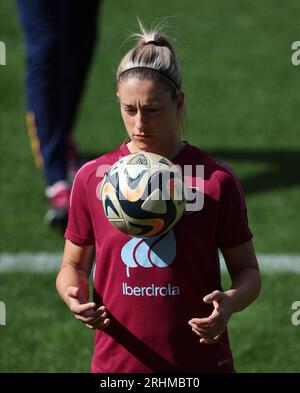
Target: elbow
259	283
58	284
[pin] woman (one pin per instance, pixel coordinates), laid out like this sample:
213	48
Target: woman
158	320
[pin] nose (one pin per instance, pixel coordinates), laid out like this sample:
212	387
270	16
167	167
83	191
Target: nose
141	121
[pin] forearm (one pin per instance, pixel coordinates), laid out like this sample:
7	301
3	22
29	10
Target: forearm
70	276
245	288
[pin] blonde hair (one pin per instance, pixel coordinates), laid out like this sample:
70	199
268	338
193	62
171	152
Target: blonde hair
151	58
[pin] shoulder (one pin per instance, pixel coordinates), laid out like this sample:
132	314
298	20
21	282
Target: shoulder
212	166
219	177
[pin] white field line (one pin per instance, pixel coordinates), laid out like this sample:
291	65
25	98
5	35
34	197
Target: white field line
45	262
30	262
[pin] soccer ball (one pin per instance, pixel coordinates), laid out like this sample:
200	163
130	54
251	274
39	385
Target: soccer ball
143	194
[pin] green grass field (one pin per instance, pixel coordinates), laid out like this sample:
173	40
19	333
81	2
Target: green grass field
41	335
242	98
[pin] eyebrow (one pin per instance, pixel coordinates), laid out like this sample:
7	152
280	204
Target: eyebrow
144	106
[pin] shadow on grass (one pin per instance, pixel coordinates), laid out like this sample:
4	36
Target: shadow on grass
284	168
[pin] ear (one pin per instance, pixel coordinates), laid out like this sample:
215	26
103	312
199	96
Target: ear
180	101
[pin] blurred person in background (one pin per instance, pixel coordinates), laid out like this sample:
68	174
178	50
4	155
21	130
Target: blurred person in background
60	37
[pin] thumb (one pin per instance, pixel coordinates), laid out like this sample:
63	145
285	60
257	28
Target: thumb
212	297
72	292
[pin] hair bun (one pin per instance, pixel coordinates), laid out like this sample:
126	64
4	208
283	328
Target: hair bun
154	38
152	50
153	42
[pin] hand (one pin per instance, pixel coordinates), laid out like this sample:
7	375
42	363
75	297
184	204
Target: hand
211	328
84	311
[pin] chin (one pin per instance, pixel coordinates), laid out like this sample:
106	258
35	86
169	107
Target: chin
146	146
142	143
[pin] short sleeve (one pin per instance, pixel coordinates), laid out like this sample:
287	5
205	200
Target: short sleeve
80	227
233	228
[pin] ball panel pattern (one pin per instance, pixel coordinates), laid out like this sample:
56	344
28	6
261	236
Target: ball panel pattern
143	195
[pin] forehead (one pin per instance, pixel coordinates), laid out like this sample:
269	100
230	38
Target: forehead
144	90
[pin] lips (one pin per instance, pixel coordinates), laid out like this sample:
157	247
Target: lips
142	135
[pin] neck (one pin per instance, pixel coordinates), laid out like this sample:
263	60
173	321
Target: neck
169	151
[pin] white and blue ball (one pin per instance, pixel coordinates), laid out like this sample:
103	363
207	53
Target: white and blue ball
143	194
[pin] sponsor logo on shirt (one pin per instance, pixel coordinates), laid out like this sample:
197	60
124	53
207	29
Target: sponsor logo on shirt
148	253
155	252
151	290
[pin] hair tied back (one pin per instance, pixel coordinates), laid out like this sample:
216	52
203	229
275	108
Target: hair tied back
153	42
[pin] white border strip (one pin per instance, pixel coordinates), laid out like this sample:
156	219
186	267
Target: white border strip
272	263
45	262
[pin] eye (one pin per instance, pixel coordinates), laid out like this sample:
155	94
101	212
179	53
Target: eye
129	110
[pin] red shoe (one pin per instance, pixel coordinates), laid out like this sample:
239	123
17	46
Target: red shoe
59	196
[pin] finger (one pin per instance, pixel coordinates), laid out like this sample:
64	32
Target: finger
94	317
197	332
72	292
210	340
211	320
99	324
100	312
206	334
201	322
84	318
214	296
78	308
202	332
195	326
106	322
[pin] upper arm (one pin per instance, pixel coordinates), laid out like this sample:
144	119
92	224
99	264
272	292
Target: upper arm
239	258
80	227
80	257
233	228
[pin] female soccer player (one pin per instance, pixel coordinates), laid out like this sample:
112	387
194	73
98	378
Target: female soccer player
170	319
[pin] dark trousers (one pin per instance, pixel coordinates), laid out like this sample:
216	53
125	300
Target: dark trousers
60	36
